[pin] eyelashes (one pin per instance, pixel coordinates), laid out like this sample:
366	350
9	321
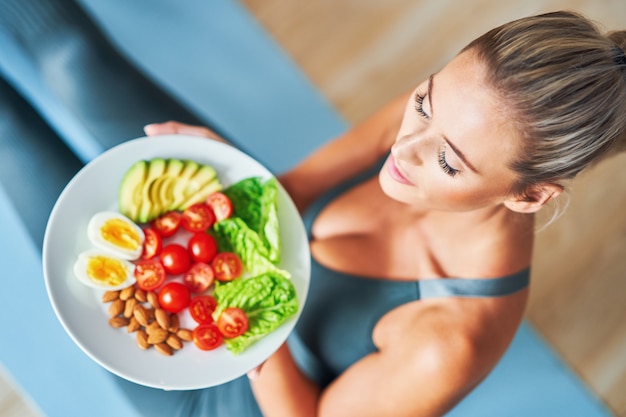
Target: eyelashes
444	164
441	157
419	105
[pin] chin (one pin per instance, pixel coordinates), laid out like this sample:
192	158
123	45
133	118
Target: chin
391	188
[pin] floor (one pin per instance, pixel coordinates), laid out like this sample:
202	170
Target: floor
360	53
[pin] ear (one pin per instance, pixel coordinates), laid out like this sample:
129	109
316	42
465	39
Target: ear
534	198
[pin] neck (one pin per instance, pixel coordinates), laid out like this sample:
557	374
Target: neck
498	219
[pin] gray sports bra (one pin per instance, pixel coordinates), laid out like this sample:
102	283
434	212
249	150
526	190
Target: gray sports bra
335	329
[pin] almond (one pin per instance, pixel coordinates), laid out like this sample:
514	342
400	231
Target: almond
140	314
157	336
109	296
153	299
185	334
133	325
118	322
174	342
127	293
116	308
129	307
174	323
162	317
153	326
164	349
140	295
142	340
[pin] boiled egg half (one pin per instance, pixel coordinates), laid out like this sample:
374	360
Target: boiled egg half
117	234
98	269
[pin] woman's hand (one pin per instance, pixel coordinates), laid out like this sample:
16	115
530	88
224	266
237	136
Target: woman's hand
173	127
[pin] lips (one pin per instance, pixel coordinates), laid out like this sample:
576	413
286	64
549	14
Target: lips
395	173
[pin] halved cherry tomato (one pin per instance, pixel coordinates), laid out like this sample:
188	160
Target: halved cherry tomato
150	274
152	243
221	205
232	322
202	247
199	277
167	224
174	297
175	259
202	307
197	218
227	266
207	336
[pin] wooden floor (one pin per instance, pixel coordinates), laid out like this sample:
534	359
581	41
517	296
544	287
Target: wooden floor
361	53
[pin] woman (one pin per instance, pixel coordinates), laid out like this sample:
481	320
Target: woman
420	273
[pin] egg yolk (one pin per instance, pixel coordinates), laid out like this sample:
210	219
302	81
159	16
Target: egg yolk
105	270
121	234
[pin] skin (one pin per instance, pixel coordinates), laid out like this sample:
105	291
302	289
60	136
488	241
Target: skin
415	221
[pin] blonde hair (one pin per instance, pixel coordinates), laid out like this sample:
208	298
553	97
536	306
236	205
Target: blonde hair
564	82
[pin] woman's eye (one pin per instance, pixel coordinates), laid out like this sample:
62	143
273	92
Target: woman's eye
419	105
444	164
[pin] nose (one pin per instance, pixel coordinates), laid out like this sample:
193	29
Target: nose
407	149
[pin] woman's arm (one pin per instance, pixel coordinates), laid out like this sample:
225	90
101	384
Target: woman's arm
431	354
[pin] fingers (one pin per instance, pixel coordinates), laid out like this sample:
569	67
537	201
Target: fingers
173	127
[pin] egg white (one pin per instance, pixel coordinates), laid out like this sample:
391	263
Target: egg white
95	236
80	270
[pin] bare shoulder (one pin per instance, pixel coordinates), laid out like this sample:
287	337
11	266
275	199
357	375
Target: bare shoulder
430	355
463	336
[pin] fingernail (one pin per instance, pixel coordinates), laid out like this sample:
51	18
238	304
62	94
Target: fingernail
149	128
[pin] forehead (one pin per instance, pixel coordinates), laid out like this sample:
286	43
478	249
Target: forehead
474	117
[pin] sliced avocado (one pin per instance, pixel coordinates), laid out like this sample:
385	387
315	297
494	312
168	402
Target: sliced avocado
178	192
202	194
156	168
129	198
203	176
174	167
166	192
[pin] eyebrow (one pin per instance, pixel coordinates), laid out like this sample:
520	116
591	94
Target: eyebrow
450	144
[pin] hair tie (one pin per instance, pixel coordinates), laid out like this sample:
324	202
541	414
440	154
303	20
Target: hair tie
618	56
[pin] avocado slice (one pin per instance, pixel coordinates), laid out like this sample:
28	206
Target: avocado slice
129	197
189	170
201	194
150	209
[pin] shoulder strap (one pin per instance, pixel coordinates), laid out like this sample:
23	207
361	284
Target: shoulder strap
465	287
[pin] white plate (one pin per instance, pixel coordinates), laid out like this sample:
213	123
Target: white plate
79	308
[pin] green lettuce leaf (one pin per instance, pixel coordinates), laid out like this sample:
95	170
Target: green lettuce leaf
256	203
269	300
234	235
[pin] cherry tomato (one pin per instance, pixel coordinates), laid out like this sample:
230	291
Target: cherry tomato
207	336
167	224
202	307
150	274
232	322
174	297
227	266
152	243
202	247
175	259
197	218
199	277
221	205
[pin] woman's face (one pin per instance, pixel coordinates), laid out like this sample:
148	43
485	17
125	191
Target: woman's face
455	143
